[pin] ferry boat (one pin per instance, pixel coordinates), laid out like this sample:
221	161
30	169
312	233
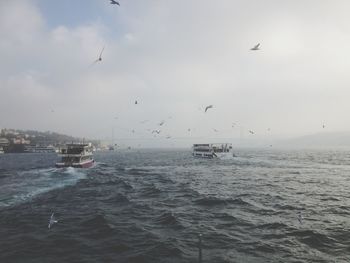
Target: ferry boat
212	150
39	149
77	155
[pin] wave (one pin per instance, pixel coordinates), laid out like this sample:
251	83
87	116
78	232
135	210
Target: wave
168	219
314	239
150	191
25	185
273	226
214	201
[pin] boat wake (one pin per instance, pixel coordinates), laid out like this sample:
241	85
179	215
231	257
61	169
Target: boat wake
22	186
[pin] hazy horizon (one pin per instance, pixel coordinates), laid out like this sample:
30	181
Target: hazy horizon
175	58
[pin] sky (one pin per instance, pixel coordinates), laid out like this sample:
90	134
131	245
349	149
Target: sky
175	58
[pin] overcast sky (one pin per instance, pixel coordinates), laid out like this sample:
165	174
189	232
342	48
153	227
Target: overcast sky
175	58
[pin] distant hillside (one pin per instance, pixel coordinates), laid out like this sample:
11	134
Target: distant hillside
39	137
319	140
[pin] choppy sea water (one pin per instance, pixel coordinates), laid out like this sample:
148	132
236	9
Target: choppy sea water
151	205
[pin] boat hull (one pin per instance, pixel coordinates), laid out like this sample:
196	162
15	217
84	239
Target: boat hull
213	155
88	164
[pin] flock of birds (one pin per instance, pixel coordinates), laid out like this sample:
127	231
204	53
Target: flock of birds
52	219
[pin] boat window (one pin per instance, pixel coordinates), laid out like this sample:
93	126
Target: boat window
74	150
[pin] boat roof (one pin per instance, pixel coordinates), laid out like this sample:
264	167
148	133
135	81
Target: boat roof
210	144
78	145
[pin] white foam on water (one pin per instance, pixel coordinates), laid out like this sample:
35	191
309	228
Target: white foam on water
23	186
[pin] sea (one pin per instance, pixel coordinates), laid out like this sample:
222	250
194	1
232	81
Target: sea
264	205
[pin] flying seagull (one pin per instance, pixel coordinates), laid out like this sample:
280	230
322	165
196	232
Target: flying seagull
168	137
256	47
156	131
251	132
161	123
99	57
52	221
114	2
208	107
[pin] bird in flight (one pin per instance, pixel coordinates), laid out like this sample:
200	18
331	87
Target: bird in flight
99	57
256	47
52	221
114	2
161	123
251	132
208	107
156	131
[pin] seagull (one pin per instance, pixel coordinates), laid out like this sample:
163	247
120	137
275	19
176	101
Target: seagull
256	47
208	107
52	221
233	125
215	130
100	56
135	102
251	132
114	2
300	218
156	131
168	137
323	126
161	123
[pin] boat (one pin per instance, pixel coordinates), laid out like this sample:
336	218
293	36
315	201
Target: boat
1	150
39	149
212	150
77	155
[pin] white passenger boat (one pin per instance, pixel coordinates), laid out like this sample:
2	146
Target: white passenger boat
212	150
77	155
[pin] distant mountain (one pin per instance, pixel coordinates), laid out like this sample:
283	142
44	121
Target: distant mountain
39	137
318	140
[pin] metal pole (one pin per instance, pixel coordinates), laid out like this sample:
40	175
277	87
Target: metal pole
200	248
